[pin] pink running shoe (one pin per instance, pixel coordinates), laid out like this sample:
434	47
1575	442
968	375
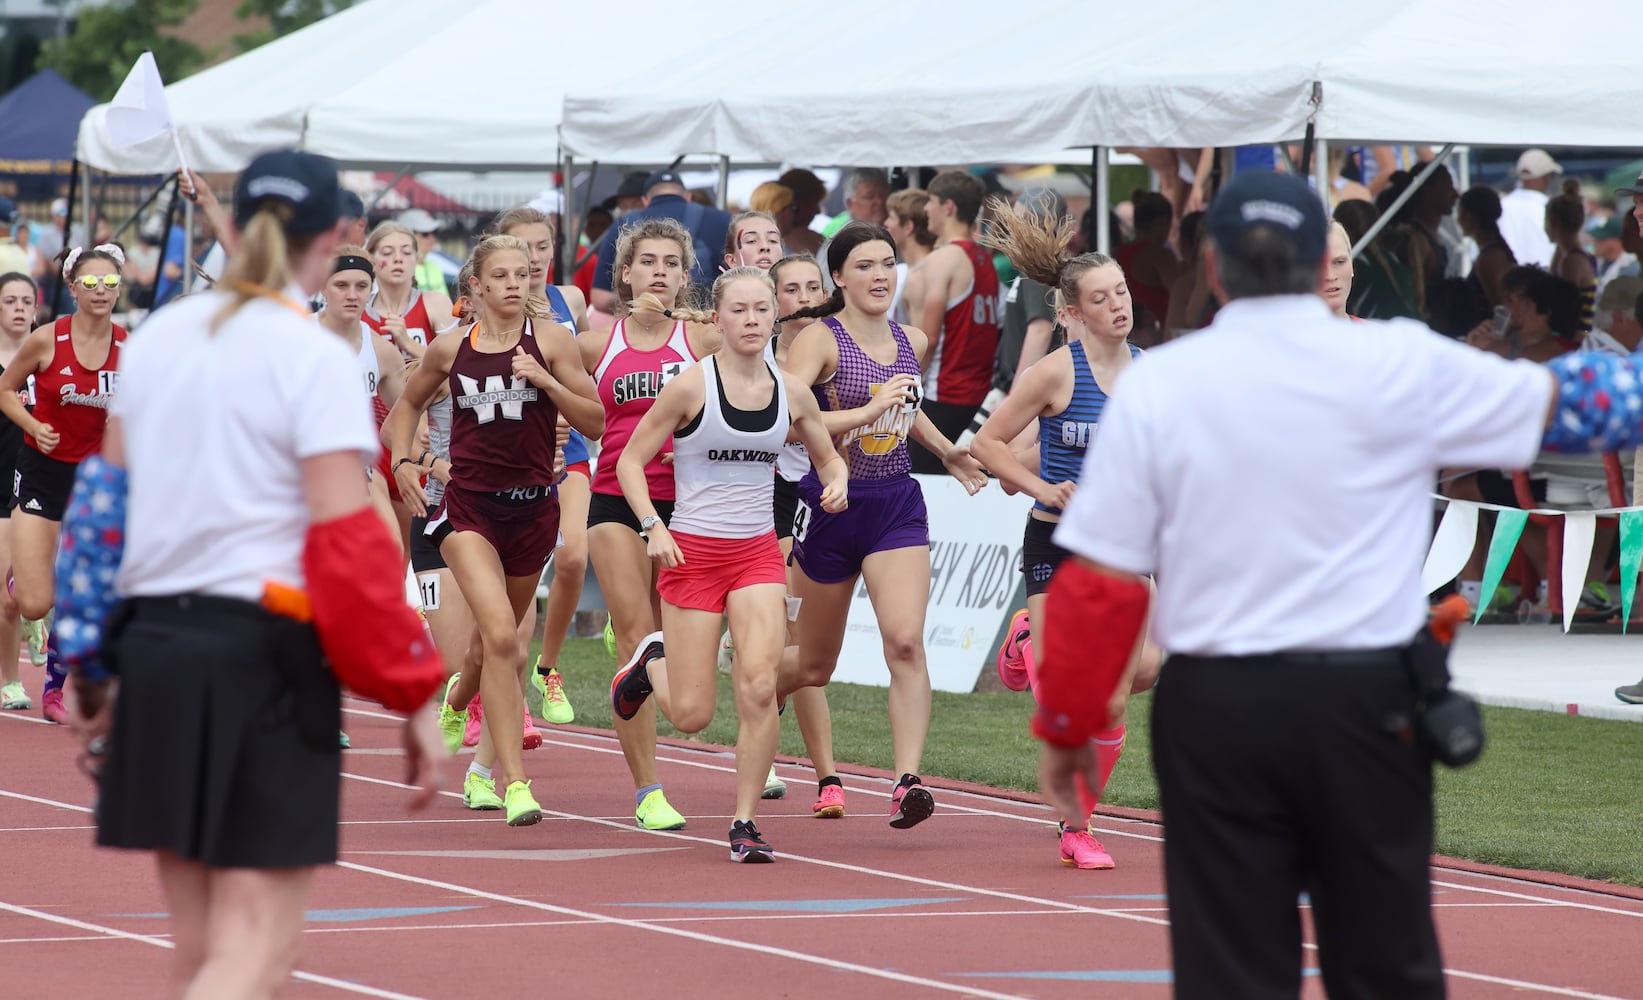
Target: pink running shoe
1081	850
830	803
533	738
476	723
1011	670
911	803
51	706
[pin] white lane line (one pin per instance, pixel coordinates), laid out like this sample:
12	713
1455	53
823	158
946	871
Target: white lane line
1548	901
112	932
788	953
42	829
748	917
45	802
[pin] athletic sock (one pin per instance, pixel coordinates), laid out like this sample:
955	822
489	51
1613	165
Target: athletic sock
831	779
1472	590
480	769
639	796
1109	746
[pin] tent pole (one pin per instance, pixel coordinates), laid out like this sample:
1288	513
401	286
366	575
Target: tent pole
86	206
723	194
1320	170
1403	199
569	226
188	246
1103	194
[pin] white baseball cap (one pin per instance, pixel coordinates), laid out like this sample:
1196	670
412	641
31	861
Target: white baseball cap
418	221
1535	163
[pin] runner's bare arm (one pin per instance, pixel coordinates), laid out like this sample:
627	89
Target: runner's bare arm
571	388
37	347
808	425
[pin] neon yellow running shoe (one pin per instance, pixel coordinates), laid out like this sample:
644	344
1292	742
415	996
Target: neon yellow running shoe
654	813
479	793
556	708
34	630
774	787
610	639
451	721
521	806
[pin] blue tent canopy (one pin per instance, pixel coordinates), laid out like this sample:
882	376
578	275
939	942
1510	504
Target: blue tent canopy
39	121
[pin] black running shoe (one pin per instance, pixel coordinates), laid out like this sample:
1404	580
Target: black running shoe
747	845
911	803
631	685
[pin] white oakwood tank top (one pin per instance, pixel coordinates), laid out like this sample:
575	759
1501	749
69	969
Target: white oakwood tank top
723	476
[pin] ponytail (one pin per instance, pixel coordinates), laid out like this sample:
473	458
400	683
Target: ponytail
1037	243
648	304
833	305
262	263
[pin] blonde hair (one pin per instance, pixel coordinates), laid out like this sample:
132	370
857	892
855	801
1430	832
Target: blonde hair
724	281
522	215
348	250
536	306
1337	229
1036	243
385	230
627	247
771	196
262	264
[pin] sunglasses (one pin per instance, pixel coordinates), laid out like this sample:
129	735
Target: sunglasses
89	281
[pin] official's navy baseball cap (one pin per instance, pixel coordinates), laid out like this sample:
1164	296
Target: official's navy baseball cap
305	181
1281	201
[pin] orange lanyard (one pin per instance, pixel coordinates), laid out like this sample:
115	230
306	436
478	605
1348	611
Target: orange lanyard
264	292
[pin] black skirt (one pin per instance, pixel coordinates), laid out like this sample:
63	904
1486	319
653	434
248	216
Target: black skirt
224	748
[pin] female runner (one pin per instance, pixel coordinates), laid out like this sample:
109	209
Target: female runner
727	419
510	373
653	342
73	365
408	318
346	290
570	557
865	374
1065	392
753	240
241	501
18	298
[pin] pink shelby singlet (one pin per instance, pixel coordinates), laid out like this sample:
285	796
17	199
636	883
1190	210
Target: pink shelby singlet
629	380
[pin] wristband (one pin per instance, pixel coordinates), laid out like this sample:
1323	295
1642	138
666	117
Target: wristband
401	462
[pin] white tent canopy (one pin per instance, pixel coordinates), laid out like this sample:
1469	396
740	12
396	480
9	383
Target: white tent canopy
475	84
906	83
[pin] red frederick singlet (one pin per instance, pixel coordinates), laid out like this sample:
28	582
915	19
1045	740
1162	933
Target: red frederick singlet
74	399
502	427
629	380
961	369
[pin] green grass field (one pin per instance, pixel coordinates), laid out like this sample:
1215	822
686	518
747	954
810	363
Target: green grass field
1553	792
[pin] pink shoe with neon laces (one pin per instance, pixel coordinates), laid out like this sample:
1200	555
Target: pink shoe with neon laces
1080	849
1011	669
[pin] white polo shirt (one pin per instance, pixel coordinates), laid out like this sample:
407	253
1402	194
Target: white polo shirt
1275	470
215	426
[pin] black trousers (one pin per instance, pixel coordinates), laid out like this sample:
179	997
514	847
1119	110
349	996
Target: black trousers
1278	776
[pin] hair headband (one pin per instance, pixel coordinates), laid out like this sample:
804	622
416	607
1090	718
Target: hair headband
351	262
111	249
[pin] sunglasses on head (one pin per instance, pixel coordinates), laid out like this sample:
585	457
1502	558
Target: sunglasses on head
89	281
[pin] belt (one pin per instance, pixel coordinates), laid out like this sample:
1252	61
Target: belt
1385	656
178	607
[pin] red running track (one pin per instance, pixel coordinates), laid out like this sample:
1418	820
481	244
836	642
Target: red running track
452	904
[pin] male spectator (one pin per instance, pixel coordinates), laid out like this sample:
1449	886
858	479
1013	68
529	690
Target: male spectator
910	228
1523	211
808	194
1609	247
50	238
1615	327
352	217
12	256
866	192
665	198
430	277
630	194
959	311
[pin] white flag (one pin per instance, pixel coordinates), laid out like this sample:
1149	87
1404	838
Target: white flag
139	111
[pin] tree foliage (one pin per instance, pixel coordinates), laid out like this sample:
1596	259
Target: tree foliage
107	40
284	17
